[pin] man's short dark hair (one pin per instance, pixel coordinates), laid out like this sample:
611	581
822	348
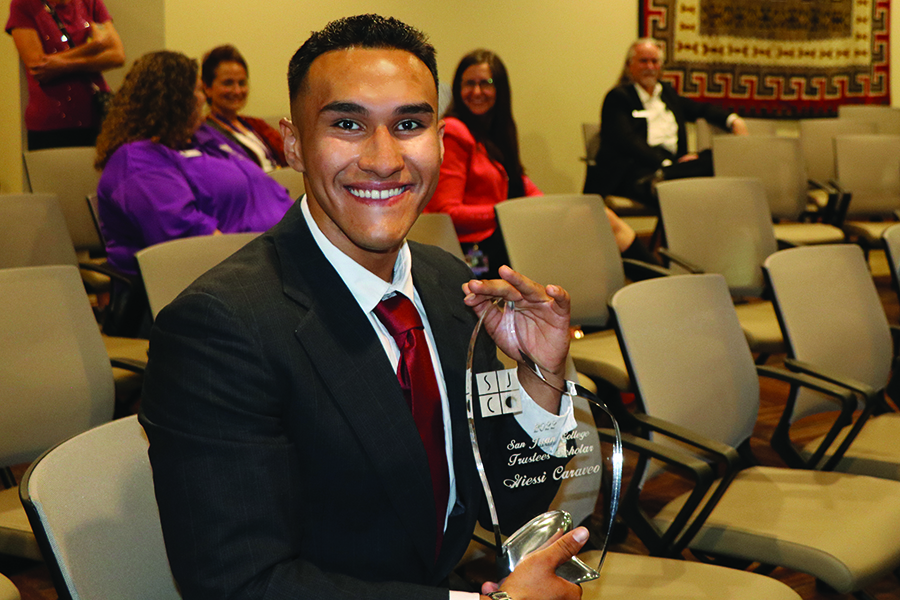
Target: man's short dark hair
361	31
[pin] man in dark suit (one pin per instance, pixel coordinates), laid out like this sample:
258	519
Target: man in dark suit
642	129
286	461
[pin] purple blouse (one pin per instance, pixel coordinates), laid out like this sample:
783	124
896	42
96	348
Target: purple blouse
150	193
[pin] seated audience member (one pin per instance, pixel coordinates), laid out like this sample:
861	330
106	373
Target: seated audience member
481	160
304	443
481	165
642	130
226	82
165	176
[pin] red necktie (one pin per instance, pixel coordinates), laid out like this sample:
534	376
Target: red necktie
416	374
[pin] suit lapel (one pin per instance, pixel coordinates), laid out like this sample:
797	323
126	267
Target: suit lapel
364	388
452	324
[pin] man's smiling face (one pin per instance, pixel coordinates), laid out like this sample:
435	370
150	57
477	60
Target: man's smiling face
367	135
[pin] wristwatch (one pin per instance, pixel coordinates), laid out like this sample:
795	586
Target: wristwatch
499	595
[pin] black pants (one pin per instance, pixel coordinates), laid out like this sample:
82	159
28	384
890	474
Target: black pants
62	138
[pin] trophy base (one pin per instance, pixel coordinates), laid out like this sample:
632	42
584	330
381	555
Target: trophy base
536	533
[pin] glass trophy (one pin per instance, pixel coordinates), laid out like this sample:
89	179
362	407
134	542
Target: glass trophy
571	464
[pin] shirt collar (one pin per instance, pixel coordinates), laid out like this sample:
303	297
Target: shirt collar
366	287
644	96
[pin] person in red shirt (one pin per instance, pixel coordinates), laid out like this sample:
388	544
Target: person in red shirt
65	46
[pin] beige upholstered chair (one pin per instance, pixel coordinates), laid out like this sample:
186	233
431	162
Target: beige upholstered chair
90	500
723	225
7	590
868	168
169	267
778	163
891	239
55	378
291	180
817	143
835	328
69	173
436	229
706	132
696	380
886	118
567	240
33	233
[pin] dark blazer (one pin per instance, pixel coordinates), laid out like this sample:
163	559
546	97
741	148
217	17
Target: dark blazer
285	459
624	155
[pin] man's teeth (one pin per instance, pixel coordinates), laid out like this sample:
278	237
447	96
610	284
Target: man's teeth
376	194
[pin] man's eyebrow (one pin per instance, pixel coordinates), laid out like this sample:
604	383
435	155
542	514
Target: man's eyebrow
352	108
414	109
345	107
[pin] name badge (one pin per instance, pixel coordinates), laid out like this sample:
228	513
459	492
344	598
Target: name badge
191	153
640	114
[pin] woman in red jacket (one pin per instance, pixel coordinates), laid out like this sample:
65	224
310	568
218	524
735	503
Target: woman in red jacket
481	159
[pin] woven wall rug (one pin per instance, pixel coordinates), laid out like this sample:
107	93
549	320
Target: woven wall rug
774	58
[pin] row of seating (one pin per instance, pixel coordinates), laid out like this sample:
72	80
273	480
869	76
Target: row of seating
655	322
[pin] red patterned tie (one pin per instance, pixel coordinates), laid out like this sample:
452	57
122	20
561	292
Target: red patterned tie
416	374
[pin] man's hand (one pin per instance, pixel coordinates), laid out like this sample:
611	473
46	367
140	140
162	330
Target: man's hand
542	323
739	127
535	578
688	157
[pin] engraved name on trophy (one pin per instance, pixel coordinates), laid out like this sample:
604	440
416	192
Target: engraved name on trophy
535	459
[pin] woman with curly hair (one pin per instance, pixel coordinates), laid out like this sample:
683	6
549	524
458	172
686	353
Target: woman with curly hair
165	174
226	82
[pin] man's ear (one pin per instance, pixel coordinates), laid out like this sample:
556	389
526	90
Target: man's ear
441	125
291	138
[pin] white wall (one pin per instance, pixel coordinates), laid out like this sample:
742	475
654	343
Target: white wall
562	57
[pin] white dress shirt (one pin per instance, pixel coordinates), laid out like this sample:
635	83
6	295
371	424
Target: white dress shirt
368	289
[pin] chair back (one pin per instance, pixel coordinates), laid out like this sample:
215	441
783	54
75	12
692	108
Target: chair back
868	166
831	316
436	229
707	131
566	240
722	225
817	143
69	173
55	376
33	232
92	507
291	180
891	237
591	134
688	356
169	267
886	118
776	161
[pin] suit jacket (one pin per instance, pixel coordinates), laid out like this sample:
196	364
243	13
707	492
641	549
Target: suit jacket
286	461
624	155
471	183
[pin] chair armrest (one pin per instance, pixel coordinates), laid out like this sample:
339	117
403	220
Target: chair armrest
638	269
107	270
781	440
868	393
675	537
713	450
828	212
679	260
843	203
129	364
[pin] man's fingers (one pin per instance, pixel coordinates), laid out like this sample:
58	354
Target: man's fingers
567	546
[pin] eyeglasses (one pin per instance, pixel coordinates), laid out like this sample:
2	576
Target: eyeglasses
484	84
